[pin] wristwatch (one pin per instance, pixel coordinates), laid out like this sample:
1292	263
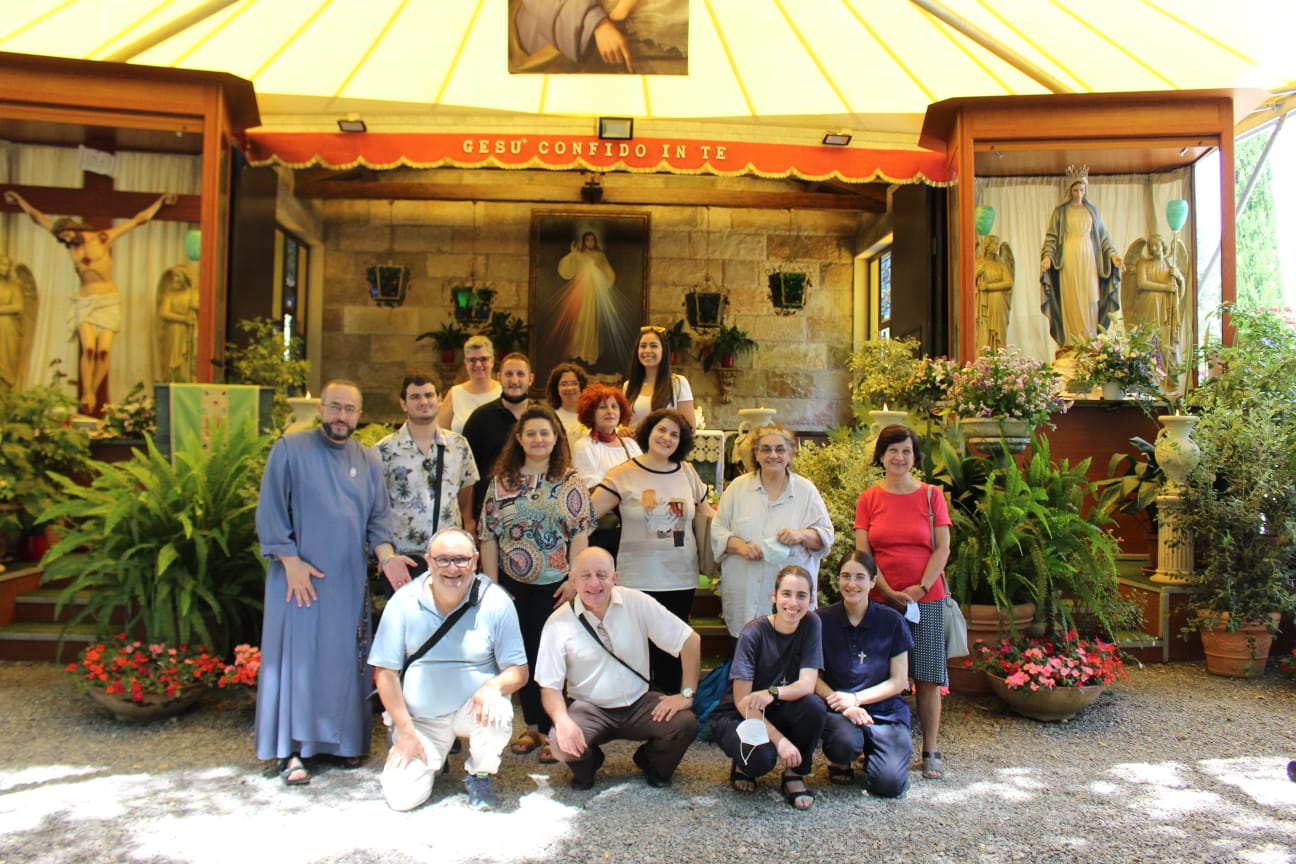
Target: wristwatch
687	692
773	691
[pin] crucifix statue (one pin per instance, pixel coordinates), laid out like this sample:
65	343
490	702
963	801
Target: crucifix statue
96	315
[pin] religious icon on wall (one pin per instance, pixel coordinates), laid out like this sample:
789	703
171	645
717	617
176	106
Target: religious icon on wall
600	37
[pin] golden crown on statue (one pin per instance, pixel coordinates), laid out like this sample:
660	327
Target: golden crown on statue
1077	174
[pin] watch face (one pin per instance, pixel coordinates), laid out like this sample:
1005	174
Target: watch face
687	692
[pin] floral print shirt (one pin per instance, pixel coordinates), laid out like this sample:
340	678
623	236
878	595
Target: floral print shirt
410	474
534	525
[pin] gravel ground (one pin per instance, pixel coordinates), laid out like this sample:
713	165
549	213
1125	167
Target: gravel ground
1174	765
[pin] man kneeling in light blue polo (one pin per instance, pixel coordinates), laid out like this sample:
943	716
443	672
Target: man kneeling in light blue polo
460	686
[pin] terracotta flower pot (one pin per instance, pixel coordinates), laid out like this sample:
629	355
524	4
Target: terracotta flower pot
1240	653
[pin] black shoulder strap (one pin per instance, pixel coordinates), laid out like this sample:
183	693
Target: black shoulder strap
590	630
436	487
450	621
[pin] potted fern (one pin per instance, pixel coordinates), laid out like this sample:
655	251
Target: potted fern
449	339
726	346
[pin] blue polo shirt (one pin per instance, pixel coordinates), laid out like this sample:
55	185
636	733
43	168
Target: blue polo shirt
859	657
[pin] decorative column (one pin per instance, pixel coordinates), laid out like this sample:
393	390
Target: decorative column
1178	455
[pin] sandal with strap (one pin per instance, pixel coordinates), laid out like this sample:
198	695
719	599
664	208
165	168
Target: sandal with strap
546	755
841	775
932	766
525	743
293	771
800	799
740	781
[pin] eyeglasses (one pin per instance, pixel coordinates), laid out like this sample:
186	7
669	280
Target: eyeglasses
854	577
767	450
339	408
477	361
452	560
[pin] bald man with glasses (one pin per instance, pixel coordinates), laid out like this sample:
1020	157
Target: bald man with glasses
459	686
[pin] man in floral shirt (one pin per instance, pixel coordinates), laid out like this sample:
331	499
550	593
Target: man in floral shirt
430	475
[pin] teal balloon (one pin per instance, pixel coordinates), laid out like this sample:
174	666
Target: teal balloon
984	216
1177	213
193	244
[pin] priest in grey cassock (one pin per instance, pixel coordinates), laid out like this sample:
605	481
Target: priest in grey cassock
323	509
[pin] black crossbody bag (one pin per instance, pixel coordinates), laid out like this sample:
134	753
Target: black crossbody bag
441	631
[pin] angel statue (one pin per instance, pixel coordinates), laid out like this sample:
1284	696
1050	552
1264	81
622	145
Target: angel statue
995	272
1154	276
177	316
18	300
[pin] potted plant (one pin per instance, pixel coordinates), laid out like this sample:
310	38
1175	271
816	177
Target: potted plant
37	443
1048	678
507	332
168	549
1121	363
726	346
449	339
883	371
268	361
140	680
678	340
1240	502
133	417
1002	395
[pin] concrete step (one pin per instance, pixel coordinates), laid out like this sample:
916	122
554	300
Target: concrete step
39	605
37	640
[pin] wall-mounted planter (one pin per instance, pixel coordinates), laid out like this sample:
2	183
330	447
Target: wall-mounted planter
704	309
387	284
788	291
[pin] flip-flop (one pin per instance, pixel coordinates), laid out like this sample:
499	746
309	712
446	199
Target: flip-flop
525	743
293	765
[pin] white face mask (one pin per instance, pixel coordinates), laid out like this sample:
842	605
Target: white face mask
751	734
912	612
776	554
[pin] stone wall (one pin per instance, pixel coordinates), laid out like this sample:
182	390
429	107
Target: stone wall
798	368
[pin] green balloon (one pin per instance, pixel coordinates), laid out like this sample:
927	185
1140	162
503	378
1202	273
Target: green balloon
984	219
1177	213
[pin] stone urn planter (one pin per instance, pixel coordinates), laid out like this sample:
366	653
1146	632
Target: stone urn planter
1046	705
996	435
154	706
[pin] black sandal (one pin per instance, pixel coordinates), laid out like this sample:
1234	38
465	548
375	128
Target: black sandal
792	796
740	781
294	765
841	775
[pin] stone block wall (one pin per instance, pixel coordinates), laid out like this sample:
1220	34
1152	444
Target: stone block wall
798	369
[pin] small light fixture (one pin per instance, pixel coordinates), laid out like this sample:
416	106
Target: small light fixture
616	128
352	123
1183	151
592	191
836	139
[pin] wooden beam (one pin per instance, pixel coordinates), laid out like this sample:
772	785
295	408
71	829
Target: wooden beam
871	198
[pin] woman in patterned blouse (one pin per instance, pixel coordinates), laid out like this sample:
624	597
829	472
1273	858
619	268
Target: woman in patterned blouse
534	521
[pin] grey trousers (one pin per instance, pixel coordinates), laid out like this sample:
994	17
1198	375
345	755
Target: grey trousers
664	745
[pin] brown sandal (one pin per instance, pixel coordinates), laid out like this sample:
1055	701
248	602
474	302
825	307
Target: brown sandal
525	743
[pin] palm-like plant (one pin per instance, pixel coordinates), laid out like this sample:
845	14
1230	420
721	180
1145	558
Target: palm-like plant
171	547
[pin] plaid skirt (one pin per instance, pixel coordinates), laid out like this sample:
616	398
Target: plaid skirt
927	661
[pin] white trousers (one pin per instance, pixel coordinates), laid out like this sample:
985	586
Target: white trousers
407	787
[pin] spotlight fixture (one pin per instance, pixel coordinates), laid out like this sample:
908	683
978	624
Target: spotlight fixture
352	123
836	139
616	128
1183	151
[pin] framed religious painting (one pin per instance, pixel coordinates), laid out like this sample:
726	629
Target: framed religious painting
589	289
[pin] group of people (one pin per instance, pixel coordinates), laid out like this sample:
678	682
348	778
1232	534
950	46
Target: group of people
556	564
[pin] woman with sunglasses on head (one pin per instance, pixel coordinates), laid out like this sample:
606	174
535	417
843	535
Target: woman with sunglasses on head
767	518
775	669
866	649
462	399
534	521
651	385
905	525
660	495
